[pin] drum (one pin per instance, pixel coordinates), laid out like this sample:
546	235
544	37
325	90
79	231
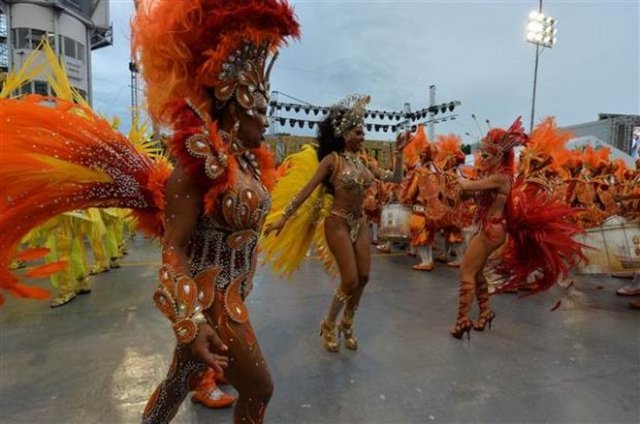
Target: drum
394	223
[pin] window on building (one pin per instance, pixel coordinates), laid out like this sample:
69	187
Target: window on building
3	24
41	87
27	88
70	47
35	37
83	94
21	38
4	55
73	3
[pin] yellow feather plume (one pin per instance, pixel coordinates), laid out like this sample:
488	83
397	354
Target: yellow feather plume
141	137
58	79
285	251
28	71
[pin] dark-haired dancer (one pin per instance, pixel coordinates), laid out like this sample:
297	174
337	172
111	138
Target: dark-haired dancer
346	176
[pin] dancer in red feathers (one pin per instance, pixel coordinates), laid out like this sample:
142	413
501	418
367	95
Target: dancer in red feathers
540	237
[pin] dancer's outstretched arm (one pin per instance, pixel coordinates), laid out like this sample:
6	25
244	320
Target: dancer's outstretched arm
325	169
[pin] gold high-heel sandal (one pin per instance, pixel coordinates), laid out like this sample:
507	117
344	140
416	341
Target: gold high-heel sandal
346	329
329	336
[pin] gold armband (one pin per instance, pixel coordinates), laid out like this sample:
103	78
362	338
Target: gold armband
183	299
289	210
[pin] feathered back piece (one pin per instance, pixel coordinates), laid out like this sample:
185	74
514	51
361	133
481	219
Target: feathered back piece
414	148
546	145
59	156
541	241
449	151
285	251
193	49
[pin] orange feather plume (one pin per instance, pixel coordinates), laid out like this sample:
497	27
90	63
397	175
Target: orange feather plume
181	45
596	159
416	145
47	270
449	149
32	254
59	156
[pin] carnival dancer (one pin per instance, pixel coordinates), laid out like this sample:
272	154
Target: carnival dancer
601	178
342	173
540	236
424	193
542	159
217	197
448	158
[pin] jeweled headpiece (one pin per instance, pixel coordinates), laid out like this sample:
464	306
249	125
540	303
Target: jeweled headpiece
203	50
349	114
244	74
497	142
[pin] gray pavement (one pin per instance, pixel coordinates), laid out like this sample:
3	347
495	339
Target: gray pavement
98	359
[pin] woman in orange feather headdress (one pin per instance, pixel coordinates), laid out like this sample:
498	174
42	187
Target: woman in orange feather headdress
206	65
540	237
422	192
449	158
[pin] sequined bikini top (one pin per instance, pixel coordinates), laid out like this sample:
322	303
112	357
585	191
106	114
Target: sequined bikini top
351	174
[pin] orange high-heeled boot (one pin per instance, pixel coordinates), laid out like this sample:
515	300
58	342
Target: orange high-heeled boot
486	314
463	324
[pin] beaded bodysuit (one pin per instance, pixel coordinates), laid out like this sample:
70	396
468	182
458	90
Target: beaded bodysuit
228	238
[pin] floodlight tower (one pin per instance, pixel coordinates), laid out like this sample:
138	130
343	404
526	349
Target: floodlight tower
541	31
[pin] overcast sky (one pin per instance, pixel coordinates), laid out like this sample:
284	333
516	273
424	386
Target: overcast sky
473	51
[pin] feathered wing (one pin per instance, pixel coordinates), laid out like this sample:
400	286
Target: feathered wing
541	241
58	156
285	251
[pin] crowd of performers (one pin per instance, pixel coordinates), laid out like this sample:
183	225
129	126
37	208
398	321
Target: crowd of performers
588	181
78	244
206	65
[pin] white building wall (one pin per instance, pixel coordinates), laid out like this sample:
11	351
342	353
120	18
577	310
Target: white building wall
24	15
